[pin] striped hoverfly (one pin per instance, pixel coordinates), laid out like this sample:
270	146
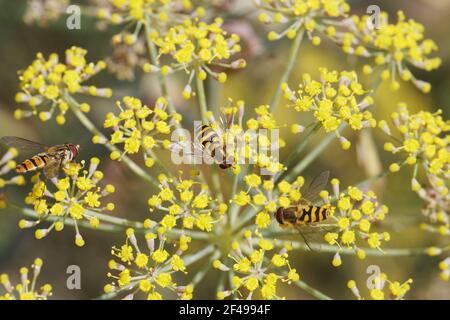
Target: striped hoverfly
49	159
210	144
305	212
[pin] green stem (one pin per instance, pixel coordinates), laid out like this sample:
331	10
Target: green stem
114	224
75	107
300	148
396	252
289	65
200	275
162	78
201	96
314	292
311	156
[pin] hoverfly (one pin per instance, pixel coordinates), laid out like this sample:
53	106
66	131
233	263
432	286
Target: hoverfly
49	159
305	213
211	143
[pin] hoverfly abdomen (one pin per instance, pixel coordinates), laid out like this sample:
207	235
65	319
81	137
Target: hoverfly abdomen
36	162
212	145
300	215
312	214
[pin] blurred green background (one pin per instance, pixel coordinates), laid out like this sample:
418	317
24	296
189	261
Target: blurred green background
255	84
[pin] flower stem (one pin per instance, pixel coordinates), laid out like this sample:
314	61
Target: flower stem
289	65
314	292
201	96
162	78
300	148
395	252
114	224
133	166
200	275
311	156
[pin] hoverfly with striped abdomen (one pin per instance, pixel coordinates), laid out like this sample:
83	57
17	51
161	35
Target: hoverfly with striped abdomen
49	159
210	144
305	213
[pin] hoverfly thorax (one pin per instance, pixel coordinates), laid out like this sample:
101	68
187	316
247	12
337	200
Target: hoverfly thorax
74	149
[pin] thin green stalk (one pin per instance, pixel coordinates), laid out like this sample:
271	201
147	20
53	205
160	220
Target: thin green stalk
312	155
114	224
162	78
397	252
293	53
201	96
70	222
133	166
200	275
314	292
300	148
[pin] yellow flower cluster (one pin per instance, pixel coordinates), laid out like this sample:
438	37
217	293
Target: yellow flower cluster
137	125
195	46
77	196
424	141
7	164
27	289
158	12
150	271
259	269
309	15
187	201
335	99
356	211
254	143
382	288
46	82
393	46
423	138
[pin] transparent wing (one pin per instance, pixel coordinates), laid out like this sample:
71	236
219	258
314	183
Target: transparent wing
312	237
24	145
51	170
195	154
226	121
317	184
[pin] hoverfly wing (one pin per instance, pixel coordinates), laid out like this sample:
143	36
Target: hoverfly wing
316	185
24	146
312	247
52	168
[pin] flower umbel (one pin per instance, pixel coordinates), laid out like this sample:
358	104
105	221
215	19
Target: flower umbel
150	271
258	270
139	126
335	99
382	288
45	82
196	46
310	15
356	212
77	197
27	289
